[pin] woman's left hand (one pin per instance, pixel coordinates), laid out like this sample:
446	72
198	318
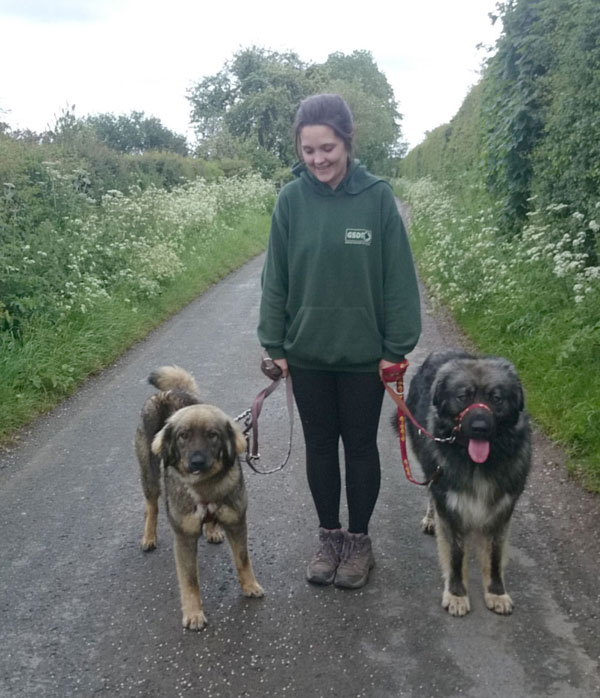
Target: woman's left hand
384	364
390	371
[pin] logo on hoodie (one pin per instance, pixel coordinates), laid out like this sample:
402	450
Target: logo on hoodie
358	236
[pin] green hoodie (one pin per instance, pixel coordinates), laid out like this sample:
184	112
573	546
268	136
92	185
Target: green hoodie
339	289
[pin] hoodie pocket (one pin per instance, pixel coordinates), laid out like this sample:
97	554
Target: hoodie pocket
334	336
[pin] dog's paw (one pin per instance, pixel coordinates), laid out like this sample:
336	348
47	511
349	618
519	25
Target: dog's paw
501	604
214	533
428	525
253	589
456	605
148	544
194	620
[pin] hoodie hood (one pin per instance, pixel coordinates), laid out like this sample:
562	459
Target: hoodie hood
357	180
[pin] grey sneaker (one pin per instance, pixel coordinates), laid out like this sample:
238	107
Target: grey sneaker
356	563
321	569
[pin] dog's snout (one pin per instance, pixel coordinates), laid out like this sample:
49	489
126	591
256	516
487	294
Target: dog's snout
197	462
479	428
478	422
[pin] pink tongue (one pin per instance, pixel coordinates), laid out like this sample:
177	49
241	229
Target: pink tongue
479	450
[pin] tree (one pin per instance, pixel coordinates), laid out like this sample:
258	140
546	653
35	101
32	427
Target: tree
366	89
253	100
250	105
210	99
135	133
4	127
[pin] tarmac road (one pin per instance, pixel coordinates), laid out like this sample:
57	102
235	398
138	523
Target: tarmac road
83	612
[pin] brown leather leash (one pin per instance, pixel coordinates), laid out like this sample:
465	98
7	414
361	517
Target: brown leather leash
251	415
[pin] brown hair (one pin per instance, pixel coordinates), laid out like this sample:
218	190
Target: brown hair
326	110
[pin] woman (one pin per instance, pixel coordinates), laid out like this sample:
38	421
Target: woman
339	303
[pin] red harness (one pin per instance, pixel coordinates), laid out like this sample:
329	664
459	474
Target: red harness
463	414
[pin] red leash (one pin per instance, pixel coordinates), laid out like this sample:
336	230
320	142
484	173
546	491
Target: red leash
396	373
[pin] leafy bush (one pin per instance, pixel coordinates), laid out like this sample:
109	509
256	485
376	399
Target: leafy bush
451	151
514	101
128	243
567	161
51	357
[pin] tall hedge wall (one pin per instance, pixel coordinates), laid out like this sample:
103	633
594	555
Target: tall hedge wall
530	129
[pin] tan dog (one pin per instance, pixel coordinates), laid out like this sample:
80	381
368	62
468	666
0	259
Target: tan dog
192	450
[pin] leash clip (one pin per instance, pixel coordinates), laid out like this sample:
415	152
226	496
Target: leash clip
246	418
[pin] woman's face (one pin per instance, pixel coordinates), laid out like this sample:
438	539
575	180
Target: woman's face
324	153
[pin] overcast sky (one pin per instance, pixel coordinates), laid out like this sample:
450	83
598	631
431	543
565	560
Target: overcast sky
123	55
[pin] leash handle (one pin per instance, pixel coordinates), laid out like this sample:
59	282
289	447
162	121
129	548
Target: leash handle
270	368
395	372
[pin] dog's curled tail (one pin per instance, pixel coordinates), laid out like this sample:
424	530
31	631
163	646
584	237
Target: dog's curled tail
173	378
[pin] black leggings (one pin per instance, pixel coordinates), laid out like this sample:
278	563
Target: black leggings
336	404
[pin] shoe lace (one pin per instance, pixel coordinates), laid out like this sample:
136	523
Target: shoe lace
350	549
327	551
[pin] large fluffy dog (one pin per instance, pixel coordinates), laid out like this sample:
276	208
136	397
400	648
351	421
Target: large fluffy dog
480	474
192	450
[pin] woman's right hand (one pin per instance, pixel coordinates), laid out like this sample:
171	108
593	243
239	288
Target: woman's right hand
283	365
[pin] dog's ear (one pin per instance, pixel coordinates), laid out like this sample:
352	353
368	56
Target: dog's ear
164	445
516	401
157	442
439	393
240	439
520	397
516	394
235	443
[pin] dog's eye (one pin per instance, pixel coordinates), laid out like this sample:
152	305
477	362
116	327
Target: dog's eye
464	396
212	434
182	435
496	397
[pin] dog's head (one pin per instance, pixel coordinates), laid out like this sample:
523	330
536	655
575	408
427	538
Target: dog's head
199	440
481	397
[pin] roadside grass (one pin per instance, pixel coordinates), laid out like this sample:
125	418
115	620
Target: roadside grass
52	356
532	298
